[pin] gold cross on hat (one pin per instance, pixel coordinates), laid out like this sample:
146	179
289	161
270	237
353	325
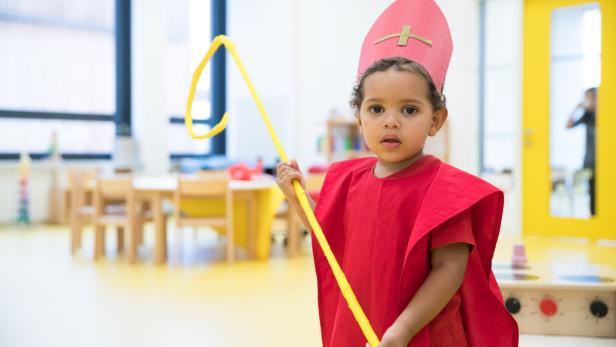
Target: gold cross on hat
404	37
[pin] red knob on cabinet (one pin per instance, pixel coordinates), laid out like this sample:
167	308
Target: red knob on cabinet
548	307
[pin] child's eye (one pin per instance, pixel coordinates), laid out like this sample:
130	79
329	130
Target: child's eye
409	110
376	109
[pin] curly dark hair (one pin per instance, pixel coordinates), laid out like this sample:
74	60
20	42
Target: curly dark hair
437	99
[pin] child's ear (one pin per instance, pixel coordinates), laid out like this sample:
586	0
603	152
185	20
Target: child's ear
438	119
358	122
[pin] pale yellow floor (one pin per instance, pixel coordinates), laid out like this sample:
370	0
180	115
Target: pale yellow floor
48	298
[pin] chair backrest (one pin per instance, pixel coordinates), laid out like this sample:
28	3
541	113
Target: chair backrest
114	188
114	196
213	174
202	186
191	188
80	181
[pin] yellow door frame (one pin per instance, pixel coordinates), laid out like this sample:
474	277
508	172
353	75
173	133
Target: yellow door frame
536	218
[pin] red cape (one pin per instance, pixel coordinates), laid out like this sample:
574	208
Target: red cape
447	192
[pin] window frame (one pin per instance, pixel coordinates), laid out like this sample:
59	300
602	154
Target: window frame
122	119
122	116
218	97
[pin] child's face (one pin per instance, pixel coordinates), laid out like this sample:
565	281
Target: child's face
396	116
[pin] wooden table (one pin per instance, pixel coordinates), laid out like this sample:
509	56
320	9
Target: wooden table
156	189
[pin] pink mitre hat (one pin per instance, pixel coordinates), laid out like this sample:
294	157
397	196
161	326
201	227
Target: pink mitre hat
413	29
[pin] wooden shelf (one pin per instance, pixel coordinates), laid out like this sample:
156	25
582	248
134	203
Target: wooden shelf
344	141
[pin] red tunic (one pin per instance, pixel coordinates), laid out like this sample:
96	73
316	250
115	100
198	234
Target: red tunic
382	230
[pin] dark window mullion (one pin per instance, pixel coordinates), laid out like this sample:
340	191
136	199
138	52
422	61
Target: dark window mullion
219	82
123	67
54	115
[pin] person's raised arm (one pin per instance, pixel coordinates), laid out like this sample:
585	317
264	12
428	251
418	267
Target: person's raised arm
571	121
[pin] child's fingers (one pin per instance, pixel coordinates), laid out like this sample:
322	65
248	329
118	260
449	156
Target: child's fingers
285	174
289	176
282	167
294	164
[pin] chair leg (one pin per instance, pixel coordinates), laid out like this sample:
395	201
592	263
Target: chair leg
120	239
139	232
229	225
75	235
293	233
133	242
99	241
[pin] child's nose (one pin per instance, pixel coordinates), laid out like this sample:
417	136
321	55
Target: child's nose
391	120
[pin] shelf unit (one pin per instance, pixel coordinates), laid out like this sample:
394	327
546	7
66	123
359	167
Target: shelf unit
343	141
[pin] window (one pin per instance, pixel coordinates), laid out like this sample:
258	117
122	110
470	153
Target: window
500	68
189	39
58	68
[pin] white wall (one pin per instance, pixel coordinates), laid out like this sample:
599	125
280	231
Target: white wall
503	103
265	36
302	57
150	119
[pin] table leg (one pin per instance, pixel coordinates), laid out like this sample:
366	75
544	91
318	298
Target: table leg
230	236
99	241
120	239
160	239
292	232
251	237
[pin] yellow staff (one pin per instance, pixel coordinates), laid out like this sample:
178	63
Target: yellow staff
341	279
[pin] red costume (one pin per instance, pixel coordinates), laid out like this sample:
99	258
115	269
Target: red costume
381	232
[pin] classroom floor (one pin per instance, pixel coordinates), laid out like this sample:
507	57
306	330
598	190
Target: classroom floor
48	298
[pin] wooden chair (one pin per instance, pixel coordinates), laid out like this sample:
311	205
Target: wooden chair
213	174
206	186
313	184
114	205
80	206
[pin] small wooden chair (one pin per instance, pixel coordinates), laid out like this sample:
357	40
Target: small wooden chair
214	174
80	206
207	186
114	205
313	184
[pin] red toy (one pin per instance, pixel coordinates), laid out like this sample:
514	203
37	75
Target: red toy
243	172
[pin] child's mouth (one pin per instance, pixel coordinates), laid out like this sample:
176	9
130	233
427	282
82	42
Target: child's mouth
391	141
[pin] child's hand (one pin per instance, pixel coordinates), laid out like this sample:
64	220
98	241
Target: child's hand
285	175
394	337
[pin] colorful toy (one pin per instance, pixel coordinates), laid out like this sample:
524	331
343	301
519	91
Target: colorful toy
242	172
519	260
23	214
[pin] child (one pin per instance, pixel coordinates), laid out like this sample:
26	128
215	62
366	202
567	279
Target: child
413	235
